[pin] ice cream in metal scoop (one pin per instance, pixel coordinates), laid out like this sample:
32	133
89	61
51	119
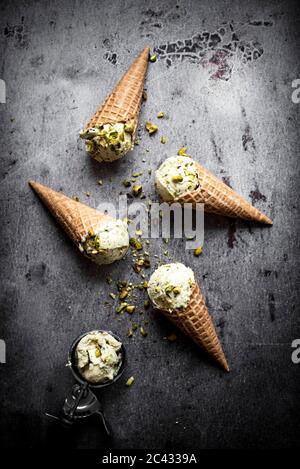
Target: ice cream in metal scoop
97	359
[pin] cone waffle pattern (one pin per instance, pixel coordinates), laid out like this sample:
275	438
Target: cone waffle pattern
196	322
221	199
75	218
124	103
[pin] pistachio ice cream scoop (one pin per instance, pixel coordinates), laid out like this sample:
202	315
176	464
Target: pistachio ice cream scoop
98	357
110	133
106	243
173	291
175	177
109	142
184	180
170	286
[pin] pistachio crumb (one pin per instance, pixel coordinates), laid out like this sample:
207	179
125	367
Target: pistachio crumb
160	115
130	309
112	295
153	58
198	251
126	183
177	178
123	294
130	381
151	128
182	151
100	182
143	332
172	337
136	190
163	140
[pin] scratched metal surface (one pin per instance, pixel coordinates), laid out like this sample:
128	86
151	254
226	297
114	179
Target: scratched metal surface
223	79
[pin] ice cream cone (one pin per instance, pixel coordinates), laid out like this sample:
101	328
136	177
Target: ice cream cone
75	218
221	199
195	321
124	103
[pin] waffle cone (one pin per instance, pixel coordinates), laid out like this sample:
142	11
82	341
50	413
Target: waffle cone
196	322
124	103
221	199
75	218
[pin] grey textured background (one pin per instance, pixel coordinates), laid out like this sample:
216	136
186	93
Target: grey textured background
59	61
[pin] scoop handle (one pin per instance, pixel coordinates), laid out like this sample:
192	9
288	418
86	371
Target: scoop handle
106	425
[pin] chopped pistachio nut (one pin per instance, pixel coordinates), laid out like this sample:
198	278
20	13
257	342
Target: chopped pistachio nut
97	352
130	309
137	268
121	284
151	128
109	280
129	127
136	190
198	251
134	326
100	182
177	178
153	58
182	151
163	140
126	183
112	295
121	307
136	244
160	115
146	304
123	294
136	174
137	142
138	232
172	337
143	332
130	332
130	381
88	194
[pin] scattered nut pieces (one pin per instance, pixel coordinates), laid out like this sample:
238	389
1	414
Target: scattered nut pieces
130	381
172	337
130	309
182	151
153	58
198	251
126	183
143	332
163	140
123	294
151	128
136	244
136	190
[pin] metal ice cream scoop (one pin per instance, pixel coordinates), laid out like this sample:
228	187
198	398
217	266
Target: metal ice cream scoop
82	402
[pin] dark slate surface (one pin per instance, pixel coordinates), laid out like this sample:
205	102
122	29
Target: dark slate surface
224	81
